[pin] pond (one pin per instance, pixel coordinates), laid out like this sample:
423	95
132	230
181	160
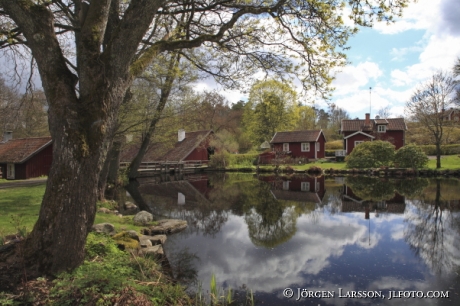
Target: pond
302	240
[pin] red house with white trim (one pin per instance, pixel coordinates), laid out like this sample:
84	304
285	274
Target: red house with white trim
357	131
307	144
26	158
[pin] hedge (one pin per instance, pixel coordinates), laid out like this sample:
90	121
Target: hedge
451	149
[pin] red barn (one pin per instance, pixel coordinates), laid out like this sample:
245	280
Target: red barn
308	144
26	158
357	131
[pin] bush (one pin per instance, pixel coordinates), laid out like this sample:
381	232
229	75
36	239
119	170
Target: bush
452	149
410	156
219	160
334	145
371	154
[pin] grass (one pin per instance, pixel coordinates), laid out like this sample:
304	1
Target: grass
448	162
19	207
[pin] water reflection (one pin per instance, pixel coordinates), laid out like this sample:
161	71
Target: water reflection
273	232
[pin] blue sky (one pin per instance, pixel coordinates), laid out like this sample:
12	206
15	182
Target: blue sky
394	59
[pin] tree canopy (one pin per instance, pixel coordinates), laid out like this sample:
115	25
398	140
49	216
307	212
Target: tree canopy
88	54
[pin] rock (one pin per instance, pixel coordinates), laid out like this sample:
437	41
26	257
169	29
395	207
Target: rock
105	228
104	210
154	251
125	241
130	205
143	217
157	239
133	235
166	226
144	242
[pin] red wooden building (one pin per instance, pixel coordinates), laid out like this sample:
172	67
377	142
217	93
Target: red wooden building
26	158
358	131
191	146
297	144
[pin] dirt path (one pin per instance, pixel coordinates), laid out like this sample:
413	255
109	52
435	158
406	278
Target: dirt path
23	183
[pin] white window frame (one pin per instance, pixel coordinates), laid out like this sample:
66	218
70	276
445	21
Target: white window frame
305	147
381	128
357	142
286	147
318	147
317	187
305	186
10	173
285	185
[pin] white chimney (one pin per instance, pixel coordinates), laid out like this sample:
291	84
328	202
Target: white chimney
7	136
180	135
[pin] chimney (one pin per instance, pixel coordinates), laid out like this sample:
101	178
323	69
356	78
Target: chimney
7	136
180	135
368	119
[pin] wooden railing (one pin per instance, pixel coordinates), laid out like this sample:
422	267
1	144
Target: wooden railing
340	153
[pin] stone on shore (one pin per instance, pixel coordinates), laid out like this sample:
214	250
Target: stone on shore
143	217
166	226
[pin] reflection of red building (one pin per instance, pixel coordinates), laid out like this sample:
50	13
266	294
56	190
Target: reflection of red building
191	190
353	203
299	188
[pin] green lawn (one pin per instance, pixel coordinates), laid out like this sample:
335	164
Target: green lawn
19	207
450	162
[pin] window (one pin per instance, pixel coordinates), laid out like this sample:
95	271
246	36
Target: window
285	185
381	128
318	187
358	142
10	171
305	186
305	147
318	147
285	147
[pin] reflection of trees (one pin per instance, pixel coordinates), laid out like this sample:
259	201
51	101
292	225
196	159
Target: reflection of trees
270	222
411	187
182	266
432	232
371	189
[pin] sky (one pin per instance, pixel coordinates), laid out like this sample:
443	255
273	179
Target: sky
395	59
392	59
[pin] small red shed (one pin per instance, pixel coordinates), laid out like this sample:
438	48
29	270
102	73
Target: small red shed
308	144
26	158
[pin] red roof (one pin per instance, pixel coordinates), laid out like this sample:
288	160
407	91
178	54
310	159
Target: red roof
392	124
19	150
296	136
183	148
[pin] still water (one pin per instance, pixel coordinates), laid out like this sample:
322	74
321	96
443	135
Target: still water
325	241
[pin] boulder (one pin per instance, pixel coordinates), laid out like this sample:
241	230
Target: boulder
157	239
130	205
144	242
166	226
105	228
154	251
104	210
143	217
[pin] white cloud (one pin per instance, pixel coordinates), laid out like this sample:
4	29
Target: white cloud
420	15
351	78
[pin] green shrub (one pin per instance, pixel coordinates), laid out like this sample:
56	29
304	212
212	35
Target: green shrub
224	159
451	149
330	153
334	145
410	156
371	154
